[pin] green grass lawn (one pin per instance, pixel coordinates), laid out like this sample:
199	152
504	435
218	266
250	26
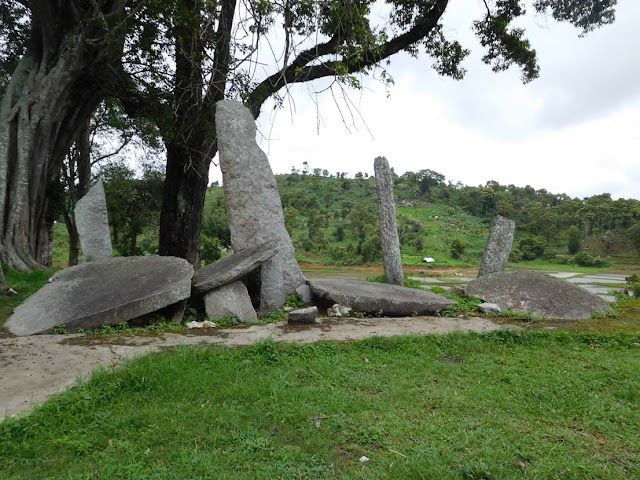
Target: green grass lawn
500	405
26	284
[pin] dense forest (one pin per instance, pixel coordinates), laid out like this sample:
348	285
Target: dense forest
333	218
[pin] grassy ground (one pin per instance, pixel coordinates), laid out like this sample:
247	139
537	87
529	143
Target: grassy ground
501	405
26	284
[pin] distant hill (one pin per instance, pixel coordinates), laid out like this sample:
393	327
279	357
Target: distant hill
334	219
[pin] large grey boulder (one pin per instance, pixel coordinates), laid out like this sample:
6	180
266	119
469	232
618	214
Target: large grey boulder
370	298
232	299
233	267
537	294
252	197
104	292
498	247
391	257
92	224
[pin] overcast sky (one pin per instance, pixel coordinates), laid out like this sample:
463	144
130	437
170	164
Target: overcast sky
575	130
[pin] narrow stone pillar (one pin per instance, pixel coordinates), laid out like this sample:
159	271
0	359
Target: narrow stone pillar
92	224
498	248
391	256
253	201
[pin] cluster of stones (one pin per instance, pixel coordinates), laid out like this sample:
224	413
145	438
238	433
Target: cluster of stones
107	291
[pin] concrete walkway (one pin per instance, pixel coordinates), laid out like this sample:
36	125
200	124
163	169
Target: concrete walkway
32	369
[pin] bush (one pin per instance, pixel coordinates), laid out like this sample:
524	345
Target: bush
587	260
532	247
457	248
210	249
574	240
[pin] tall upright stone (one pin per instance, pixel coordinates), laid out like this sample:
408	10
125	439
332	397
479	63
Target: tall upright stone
498	248
93	225
253	201
391	256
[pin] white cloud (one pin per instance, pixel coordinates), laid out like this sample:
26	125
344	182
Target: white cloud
576	130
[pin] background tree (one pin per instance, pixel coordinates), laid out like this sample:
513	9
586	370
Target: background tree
74	57
574	239
58	52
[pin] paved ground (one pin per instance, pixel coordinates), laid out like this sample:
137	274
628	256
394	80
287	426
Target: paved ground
32	369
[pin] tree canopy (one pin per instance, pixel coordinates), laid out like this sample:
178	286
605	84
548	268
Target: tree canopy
167	62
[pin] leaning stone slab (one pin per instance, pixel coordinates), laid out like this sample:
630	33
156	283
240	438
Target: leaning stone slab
251	192
232	299
232	267
92	224
105	292
304	316
498	247
366	297
391	256
537	294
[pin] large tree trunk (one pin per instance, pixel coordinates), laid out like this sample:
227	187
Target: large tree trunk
192	144
77	179
185	187
50	97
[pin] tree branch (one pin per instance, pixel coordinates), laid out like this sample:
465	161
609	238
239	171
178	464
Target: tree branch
299	71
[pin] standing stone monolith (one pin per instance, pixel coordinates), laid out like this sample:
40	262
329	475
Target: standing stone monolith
93	225
252	197
498	248
391	257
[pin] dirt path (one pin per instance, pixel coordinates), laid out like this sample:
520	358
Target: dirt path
32	369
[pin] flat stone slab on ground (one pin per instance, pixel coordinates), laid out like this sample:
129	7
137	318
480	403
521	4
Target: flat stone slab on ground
599	279
372	298
563	275
233	267
598	290
426	279
537	294
458	279
105	292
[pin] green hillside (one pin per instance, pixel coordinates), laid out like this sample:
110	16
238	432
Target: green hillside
333	220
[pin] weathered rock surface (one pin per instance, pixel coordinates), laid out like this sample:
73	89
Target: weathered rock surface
233	267
391	257
272	291
366	297
498	247
251	191
490	308
337	310
304	293
537	294
105	292
232	299
92	223
304	315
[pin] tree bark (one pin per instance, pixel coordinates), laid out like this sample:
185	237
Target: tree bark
192	144
51	95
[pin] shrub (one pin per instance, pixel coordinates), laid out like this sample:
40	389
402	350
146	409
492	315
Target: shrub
210	249
457	248
587	260
574	239
532	247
